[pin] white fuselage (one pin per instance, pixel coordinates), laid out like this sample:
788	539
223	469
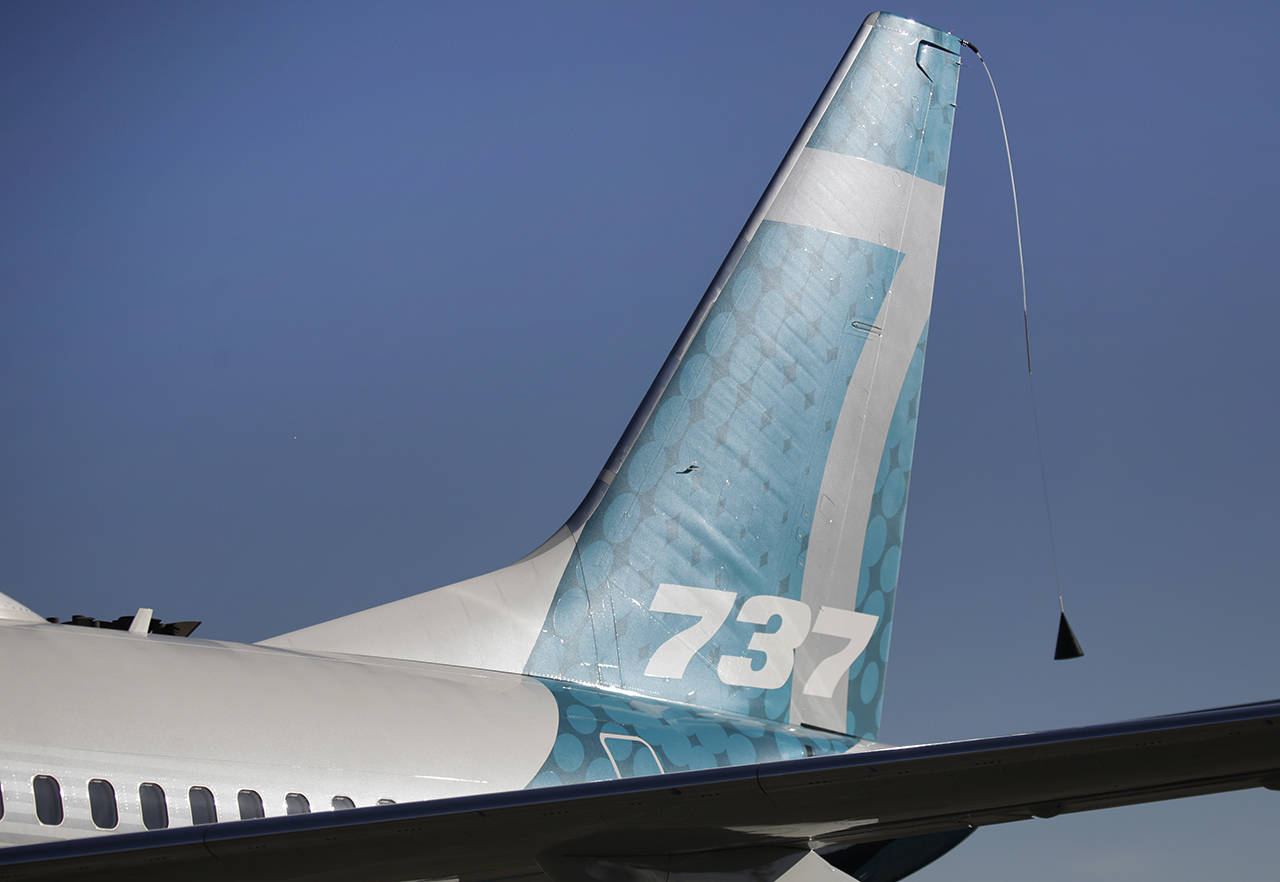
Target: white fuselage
85	704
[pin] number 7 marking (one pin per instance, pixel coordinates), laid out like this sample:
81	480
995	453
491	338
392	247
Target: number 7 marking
855	627
710	606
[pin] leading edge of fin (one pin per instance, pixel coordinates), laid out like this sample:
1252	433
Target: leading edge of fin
740	549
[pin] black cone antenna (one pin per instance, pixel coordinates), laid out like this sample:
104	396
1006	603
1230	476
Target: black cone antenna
1068	646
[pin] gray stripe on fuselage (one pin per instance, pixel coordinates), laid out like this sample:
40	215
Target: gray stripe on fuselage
863	200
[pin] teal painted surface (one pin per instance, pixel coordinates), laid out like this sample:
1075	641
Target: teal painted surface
897	105
720	489
598	732
753	405
882	551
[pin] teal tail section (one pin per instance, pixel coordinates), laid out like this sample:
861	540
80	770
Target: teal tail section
741	549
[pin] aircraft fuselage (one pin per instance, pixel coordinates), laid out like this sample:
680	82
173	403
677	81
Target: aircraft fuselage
257	729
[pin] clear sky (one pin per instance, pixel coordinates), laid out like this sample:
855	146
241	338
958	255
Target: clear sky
306	307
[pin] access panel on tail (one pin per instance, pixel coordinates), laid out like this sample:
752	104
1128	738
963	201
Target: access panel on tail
740	550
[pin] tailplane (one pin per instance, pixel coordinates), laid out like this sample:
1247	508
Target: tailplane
740	550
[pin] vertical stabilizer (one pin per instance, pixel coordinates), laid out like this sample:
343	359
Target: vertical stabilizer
745	550
740	549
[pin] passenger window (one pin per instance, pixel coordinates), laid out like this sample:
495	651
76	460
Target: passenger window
203	811
102	804
48	799
343	802
155	811
296	804
250	805
386	802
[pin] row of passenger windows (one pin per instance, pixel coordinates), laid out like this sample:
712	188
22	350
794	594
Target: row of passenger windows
155	807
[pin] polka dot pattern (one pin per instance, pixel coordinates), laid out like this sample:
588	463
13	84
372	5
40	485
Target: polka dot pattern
753	405
601	730
890	110
720	488
882	550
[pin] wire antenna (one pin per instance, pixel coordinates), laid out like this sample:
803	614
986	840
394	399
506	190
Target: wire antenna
1067	645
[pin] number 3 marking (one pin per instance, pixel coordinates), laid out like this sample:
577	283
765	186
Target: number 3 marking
778	647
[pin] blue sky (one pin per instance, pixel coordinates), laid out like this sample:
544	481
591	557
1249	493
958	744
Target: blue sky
308	307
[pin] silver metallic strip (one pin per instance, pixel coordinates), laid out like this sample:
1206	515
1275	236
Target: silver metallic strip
853	197
861	199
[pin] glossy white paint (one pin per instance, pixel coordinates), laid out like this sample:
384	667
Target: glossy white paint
12	611
863	200
442	625
181	712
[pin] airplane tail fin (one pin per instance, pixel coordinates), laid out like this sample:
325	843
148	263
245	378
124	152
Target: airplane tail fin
740	549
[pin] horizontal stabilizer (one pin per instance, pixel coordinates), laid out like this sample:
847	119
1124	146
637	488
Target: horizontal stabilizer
824	802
